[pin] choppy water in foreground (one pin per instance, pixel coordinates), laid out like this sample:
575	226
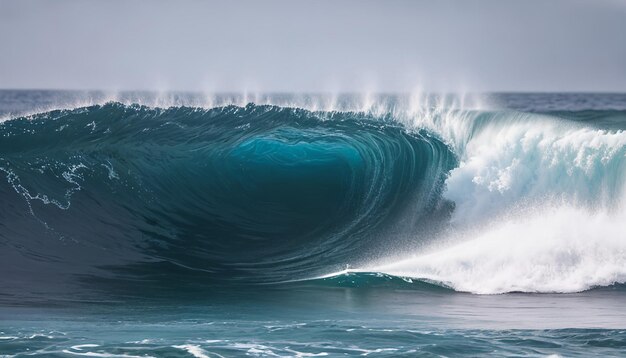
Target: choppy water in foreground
318	321
140	224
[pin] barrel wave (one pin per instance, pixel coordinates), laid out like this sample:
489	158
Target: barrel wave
115	194
230	194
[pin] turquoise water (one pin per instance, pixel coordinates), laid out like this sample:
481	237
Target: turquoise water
327	322
145	225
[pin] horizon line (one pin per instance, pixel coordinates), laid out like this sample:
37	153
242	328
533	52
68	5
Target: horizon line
312	92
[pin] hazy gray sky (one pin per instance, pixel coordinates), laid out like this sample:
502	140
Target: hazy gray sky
291	45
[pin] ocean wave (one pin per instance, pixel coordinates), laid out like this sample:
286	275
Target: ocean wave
488	201
255	193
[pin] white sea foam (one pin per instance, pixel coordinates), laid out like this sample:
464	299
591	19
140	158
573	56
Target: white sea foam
195	351
513	163
561	249
81	346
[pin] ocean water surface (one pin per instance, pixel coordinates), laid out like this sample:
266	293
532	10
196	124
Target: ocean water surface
199	225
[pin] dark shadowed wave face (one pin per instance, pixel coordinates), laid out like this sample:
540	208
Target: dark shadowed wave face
229	195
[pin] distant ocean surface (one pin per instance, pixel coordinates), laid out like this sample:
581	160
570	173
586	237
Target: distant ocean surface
140	224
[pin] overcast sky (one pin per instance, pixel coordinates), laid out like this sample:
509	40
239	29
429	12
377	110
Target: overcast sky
292	45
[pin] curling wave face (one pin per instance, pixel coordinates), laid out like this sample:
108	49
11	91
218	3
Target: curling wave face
488	201
251	194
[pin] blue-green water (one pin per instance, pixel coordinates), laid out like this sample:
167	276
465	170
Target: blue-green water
326	322
137	224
